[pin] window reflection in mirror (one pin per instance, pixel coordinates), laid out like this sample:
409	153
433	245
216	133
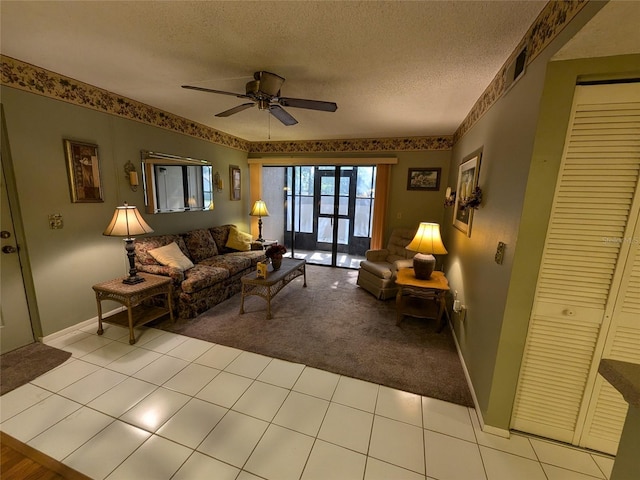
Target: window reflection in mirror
176	184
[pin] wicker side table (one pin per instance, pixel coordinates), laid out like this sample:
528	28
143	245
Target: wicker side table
413	293
131	296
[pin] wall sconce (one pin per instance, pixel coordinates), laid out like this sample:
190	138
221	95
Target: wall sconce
449	198
132	175
217	182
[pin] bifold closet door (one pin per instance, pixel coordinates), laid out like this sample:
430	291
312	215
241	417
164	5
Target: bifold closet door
589	243
607	409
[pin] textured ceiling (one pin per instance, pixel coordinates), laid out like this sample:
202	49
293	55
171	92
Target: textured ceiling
395	69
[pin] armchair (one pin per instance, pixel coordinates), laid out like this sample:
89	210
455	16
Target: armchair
378	272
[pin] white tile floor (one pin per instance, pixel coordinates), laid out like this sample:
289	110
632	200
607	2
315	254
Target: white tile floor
173	407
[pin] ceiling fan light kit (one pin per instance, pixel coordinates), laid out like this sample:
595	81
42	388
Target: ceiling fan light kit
264	91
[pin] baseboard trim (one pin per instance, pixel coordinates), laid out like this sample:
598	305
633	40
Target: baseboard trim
485	428
79	326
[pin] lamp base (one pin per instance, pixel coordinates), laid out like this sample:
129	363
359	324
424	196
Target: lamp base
133	280
424	265
133	277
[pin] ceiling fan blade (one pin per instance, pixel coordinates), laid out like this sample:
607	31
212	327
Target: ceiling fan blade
209	90
310	104
233	110
282	115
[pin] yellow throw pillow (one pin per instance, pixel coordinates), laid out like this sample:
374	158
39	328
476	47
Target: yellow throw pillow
239	240
171	256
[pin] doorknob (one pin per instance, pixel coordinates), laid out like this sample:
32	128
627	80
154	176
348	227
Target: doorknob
9	249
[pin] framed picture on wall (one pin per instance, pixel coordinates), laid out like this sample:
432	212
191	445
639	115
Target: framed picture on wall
235	182
423	179
83	167
468	173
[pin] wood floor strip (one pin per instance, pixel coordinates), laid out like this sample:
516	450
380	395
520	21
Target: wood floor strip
22	462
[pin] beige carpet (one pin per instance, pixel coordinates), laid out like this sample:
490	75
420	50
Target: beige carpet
27	363
335	325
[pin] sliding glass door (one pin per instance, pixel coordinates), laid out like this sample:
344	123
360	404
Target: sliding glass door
327	211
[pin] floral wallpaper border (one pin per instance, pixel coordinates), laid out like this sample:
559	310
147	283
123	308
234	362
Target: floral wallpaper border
30	78
356	145
552	19
24	76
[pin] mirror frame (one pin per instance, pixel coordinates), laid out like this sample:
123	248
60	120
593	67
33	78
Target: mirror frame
149	161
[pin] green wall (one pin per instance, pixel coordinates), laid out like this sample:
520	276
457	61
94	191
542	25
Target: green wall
65	263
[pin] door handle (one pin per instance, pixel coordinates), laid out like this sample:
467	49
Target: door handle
9	249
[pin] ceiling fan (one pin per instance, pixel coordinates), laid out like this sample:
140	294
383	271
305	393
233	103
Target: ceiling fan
264	91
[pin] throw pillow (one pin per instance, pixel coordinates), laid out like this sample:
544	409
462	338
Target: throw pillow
239	240
171	256
200	244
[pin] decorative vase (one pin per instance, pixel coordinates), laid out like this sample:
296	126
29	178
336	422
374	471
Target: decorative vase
276	261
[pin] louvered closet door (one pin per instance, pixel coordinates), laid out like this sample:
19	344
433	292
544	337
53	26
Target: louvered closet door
594	210
607	409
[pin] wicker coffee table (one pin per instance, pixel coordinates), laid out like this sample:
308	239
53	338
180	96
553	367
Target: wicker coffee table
276	280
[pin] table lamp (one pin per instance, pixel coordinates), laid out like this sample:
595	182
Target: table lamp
426	242
259	210
126	222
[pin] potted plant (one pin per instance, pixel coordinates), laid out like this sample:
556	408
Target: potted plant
274	253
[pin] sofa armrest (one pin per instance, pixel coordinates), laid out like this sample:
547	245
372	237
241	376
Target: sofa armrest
175	274
257	246
377	255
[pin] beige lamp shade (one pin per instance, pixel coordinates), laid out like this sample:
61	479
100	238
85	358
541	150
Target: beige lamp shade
427	240
126	222
259	209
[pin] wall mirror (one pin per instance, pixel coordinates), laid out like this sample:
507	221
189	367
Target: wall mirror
176	184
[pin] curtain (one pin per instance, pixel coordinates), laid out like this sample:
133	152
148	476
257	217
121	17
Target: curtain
383	177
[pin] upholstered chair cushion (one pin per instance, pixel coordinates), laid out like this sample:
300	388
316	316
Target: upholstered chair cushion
221	236
200	244
377	273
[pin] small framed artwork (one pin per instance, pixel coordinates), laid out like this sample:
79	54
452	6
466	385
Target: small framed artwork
235	182
468	173
83	167
423	179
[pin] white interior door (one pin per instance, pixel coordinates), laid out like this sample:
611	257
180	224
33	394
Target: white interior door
15	323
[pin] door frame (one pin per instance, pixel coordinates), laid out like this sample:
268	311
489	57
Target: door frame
18	228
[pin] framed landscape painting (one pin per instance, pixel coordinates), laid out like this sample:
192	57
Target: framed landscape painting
423	179
468	173
83	167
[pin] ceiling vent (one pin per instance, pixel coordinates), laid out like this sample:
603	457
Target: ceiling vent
515	70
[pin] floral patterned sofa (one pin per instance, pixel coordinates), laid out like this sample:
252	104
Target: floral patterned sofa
215	275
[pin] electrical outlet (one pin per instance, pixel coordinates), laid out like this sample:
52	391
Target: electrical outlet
55	221
500	253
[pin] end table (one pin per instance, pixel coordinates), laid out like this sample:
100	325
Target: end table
413	292
131	296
